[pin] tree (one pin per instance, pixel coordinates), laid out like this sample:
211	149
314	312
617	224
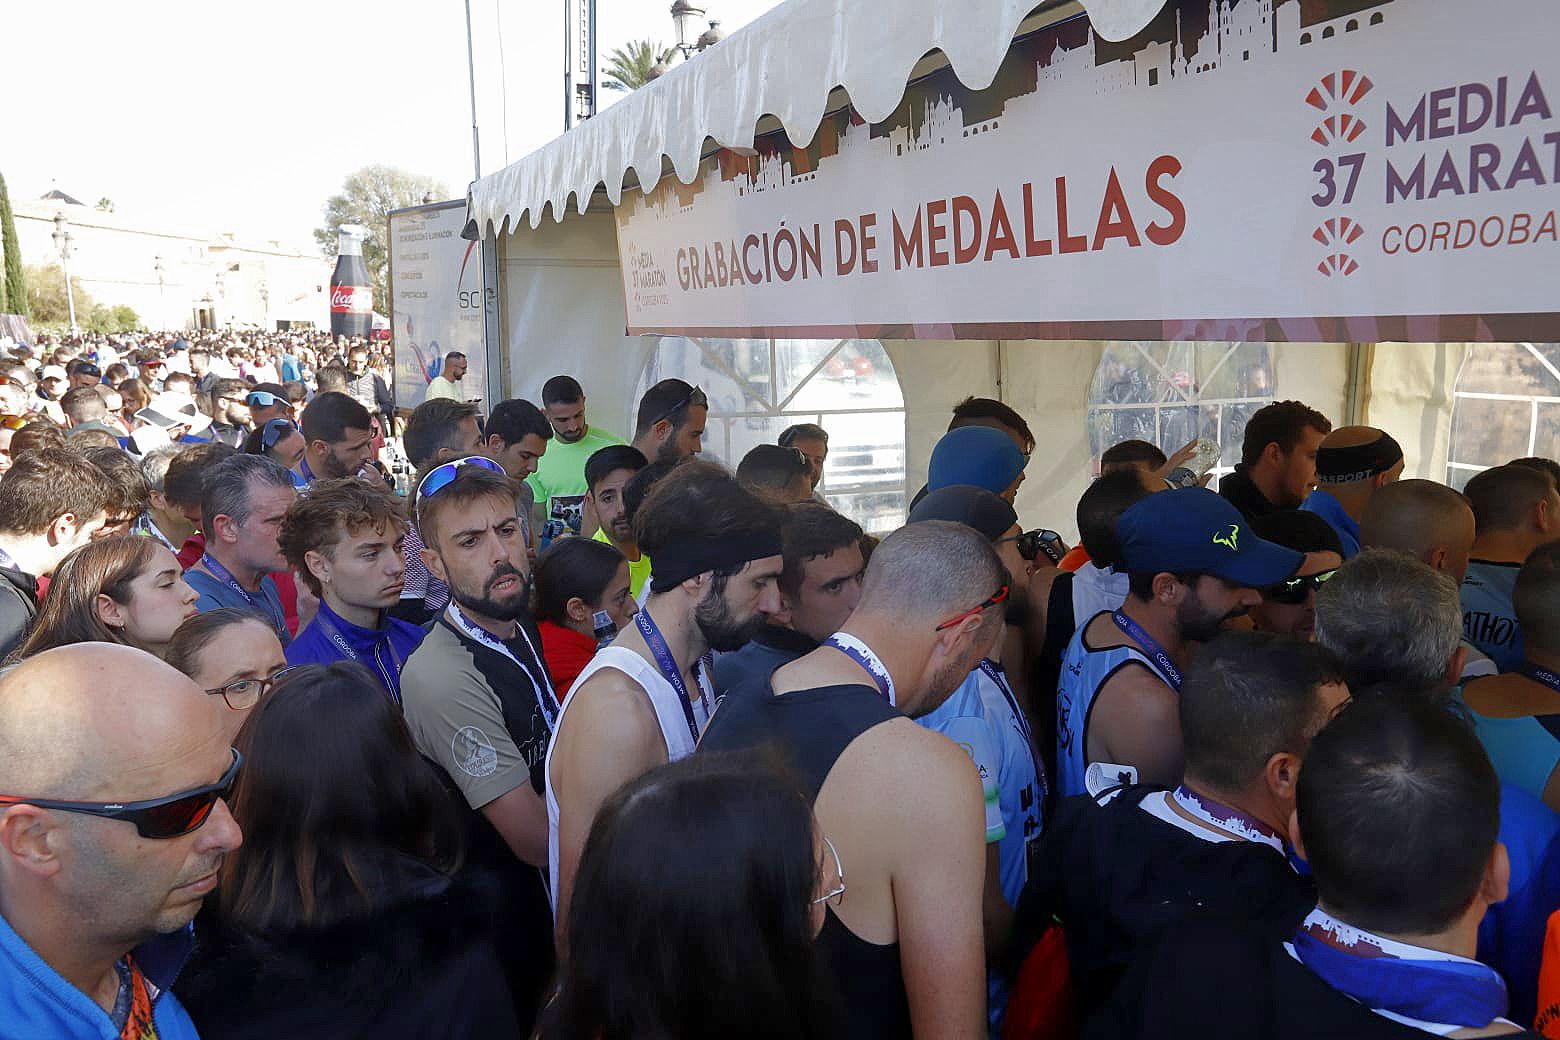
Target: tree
367	197
13	286
105	205
628	67
46	297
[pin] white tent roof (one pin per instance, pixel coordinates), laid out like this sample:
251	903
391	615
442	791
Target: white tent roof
784	64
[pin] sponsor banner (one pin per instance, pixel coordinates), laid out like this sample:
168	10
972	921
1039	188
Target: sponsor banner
435	300
1345	170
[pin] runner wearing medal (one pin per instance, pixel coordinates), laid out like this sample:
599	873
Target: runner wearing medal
646	699
1193	565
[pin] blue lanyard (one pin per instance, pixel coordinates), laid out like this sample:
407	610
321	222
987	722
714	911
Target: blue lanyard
668	666
864	655
391	676
1156	653
1385	975
6	560
994	672
1229	818
542	686
1539	675
225	576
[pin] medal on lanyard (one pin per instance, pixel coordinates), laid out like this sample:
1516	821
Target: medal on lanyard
542	687
863	655
1156	653
668	666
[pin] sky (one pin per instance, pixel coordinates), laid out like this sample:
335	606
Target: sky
245	118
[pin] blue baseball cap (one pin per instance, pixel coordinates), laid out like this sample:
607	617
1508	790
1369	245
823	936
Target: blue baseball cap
1194	530
978	456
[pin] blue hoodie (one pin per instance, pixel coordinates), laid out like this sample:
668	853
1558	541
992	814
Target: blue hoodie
383	651
37	1003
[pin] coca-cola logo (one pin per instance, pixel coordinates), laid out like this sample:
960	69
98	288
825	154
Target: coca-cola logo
351	299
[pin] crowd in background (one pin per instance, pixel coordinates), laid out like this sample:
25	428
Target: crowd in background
320	721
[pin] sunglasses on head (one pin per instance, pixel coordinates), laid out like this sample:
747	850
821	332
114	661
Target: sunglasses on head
274	431
170	817
695	399
443	475
990	601
1293	591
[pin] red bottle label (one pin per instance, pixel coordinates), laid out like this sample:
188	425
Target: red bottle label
351	299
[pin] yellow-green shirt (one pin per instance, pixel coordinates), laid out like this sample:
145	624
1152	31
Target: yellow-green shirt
638	570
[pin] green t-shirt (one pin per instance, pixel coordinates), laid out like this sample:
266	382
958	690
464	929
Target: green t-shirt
638	570
559	480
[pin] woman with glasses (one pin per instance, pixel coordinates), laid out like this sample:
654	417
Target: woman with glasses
119	590
339	916
1289	608
232	654
700	892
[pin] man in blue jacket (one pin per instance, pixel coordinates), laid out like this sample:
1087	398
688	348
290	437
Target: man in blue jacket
345	539
113	771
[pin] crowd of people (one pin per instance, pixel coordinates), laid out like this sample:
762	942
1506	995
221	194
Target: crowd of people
578	736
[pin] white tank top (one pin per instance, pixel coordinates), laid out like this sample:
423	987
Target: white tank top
668	713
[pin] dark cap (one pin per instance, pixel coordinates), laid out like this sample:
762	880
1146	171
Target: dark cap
971	506
1195	531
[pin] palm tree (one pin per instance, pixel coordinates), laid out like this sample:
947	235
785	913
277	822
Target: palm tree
628	67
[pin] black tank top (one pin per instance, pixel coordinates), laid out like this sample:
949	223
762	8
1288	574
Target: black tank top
811	729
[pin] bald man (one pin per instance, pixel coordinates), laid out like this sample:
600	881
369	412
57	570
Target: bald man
1353	463
1433	524
96	894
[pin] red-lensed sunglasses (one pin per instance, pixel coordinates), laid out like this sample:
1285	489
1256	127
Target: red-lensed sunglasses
991	601
170	817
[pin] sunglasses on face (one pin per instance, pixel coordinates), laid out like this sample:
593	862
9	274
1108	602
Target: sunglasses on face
990	601
1032	543
263	399
1293	591
170	817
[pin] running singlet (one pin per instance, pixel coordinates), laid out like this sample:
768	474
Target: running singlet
668	714
1084	671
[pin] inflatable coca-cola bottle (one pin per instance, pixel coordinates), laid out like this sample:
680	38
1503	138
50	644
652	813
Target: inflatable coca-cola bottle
351	293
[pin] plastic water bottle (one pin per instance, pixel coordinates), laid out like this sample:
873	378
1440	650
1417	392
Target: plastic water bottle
1191	473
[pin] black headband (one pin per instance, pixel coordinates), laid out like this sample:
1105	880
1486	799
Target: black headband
686	558
1359	462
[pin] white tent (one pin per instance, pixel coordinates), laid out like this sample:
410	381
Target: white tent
550	223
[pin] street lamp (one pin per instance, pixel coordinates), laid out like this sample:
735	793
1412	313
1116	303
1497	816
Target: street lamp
162	282
265	304
686	18
62	242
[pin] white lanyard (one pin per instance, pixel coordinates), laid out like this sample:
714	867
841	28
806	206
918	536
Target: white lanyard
540	684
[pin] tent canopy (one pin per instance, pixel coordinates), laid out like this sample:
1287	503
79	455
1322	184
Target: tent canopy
785	64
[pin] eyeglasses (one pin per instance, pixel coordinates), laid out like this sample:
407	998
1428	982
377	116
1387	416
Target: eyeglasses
835	894
990	601
695	398
1032	543
442	476
246	693
274	431
1294	591
170	817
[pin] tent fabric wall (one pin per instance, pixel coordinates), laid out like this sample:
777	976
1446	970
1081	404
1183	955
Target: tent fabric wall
1411	386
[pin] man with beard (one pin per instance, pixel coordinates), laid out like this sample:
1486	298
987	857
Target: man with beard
606	474
644	700
671	420
479	704
1193	563
339	437
229	412
901	805
559	481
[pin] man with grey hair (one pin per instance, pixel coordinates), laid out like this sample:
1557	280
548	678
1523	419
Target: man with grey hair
162	520
243	501
1397	626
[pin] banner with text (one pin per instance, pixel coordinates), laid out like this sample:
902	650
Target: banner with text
1311	170
435	300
